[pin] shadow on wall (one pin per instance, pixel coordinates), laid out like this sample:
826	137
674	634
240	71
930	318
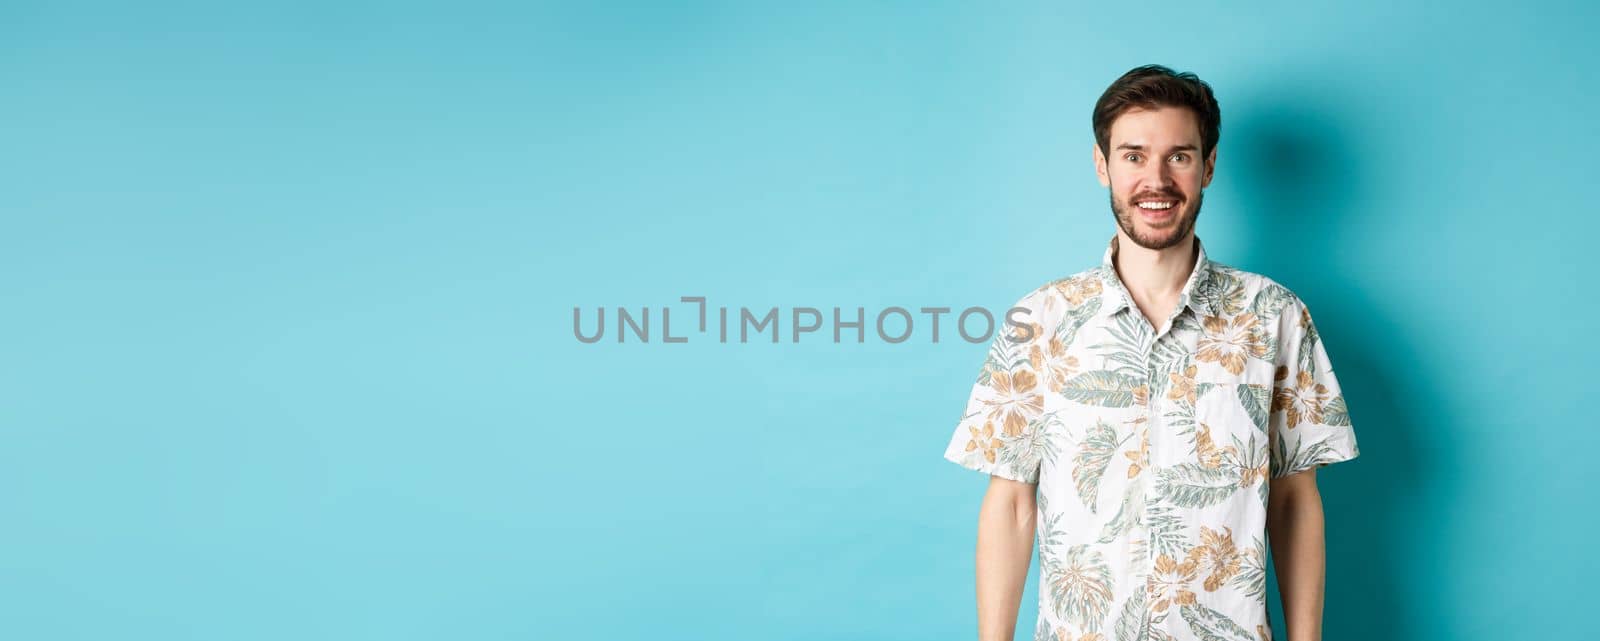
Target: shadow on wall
1303	194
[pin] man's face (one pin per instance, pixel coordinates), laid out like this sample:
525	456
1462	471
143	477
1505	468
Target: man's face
1155	174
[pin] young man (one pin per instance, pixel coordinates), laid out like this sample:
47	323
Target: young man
1160	416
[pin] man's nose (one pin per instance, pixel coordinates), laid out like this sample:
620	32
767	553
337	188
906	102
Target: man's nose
1160	176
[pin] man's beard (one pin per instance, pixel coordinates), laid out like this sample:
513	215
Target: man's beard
1185	225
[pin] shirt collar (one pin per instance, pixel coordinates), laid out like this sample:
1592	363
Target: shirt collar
1117	297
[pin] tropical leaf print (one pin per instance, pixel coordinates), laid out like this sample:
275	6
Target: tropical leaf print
1251	580
1045	437
1253	465
1103	388
1000	359
1127	515
1132	624
1270	301
1181	419
1335	412
1167	530
1051	532
1089	466
1171	353
1080	583
1257	399
1005	355
1067	331
1010	456
1224	290
1138	555
1286	462
1308	342
1211	625
1127	347
1194	485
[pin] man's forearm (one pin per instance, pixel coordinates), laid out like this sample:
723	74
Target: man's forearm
1005	546
1295	527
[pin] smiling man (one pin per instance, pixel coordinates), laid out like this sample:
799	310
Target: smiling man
1163	421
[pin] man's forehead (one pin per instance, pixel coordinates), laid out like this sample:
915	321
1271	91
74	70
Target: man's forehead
1162	127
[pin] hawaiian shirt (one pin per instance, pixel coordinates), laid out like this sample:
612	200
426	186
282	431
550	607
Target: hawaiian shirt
1152	450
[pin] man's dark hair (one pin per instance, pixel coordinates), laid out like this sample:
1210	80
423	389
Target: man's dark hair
1152	86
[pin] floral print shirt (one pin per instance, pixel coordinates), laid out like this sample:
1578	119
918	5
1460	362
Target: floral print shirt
1152	449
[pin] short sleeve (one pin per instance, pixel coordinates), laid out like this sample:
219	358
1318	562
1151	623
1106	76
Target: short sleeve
1310	423
996	432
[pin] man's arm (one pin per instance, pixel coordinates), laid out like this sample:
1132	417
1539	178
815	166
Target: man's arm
1295	528
1005	546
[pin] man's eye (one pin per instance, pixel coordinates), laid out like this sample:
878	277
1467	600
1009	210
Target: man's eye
1180	157
1131	157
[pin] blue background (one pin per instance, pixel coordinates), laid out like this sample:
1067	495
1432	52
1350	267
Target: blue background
288	347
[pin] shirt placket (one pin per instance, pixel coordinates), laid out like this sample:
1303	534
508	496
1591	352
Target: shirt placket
1148	340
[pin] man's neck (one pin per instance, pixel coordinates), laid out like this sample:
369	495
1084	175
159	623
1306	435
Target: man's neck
1154	277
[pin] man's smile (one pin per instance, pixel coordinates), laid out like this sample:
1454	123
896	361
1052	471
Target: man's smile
1157	209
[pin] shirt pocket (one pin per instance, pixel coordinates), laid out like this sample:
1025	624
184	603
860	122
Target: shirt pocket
1231	424
1093	451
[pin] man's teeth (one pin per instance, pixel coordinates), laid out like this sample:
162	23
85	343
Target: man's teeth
1157	204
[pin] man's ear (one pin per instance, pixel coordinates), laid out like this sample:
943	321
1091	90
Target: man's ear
1211	167
1100	166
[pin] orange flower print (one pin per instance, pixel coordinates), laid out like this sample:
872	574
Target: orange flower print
1302	402
1055	365
1182	385
1141	395
1216	555
1079	289
1170	582
1140	458
1024	332
1016	400
1249	475
984	440
1227	343
1210	455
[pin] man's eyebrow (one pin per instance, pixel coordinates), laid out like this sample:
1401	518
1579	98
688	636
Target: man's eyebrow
1141	147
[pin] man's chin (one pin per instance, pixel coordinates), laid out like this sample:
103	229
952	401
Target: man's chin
1156	238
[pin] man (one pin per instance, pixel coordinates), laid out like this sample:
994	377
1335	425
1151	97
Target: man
1159	419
